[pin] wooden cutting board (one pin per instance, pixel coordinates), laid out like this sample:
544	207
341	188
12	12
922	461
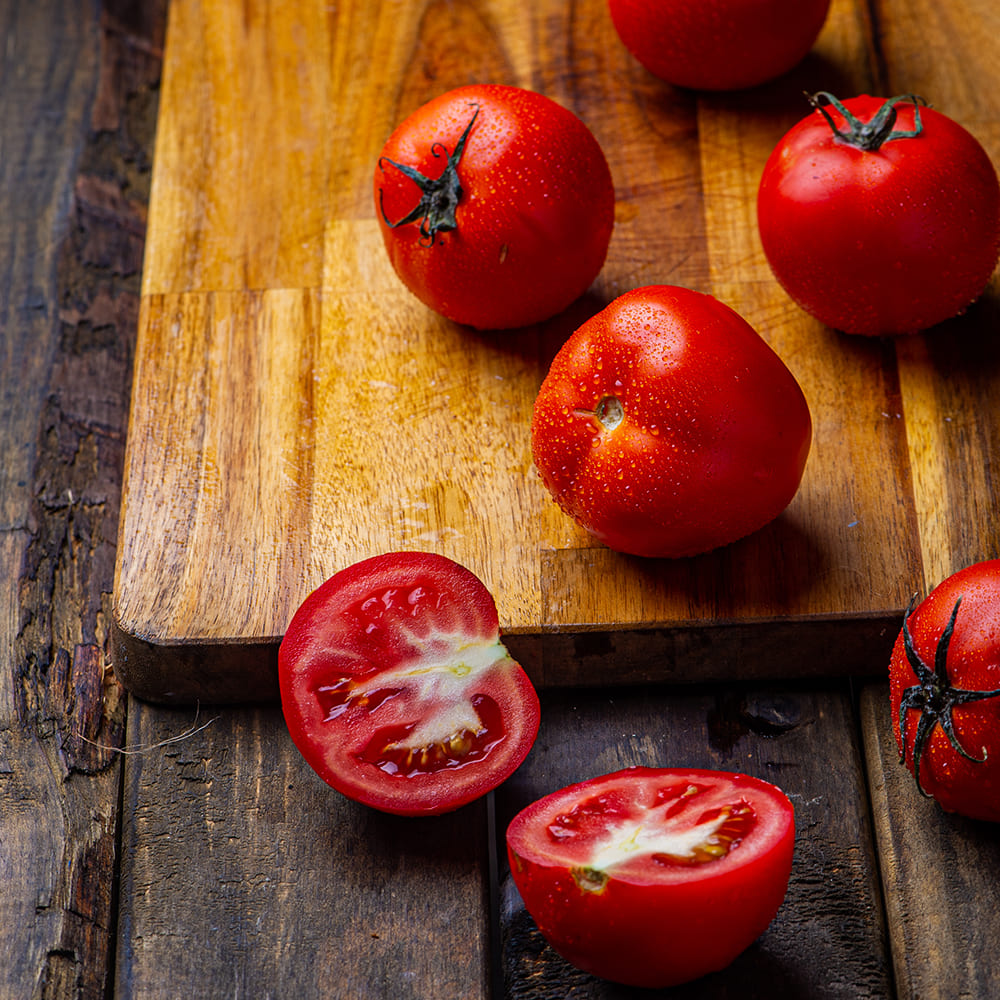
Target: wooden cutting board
295	409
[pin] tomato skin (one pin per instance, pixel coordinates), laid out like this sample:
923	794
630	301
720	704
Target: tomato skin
389	645
971	788
718	44
653	925
534	219
714	434
881	242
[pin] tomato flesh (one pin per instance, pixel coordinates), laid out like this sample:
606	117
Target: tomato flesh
397	689
654	876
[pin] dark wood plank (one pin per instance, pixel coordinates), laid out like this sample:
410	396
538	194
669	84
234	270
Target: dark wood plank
79	99
244	875
828	939
939	872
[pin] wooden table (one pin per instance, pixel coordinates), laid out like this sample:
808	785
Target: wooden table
152	850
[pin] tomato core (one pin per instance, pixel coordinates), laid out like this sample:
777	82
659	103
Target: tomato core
677	830
389	751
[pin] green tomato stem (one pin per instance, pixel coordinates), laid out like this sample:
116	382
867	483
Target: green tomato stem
871	135
439	197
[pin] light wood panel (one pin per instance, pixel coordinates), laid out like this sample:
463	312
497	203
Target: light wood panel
295	409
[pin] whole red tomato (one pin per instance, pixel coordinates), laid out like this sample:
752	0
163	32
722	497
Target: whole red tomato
397	689
944	682
496	205
654	876
880	217
667	426
718	44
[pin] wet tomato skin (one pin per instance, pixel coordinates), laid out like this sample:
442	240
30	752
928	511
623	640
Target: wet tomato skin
397	690
718	44
960	785
535	215
667	426
654	923
880	242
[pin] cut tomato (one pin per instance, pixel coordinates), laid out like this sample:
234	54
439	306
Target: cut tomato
654	876
397	689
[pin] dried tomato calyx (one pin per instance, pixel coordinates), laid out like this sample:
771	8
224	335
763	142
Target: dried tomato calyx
933	696
607	414
870	135
439	197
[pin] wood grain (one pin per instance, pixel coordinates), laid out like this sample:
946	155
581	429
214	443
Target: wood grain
833	910
947	377
288	888
78	86
939	876
295	409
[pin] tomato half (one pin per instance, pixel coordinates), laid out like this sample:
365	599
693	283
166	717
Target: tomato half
654	876
880	217
944	683
496	205
667	426
718	44
397	689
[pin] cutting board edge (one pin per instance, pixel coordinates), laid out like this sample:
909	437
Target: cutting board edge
240	671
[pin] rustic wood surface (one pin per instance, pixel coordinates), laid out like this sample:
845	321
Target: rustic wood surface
78	86
940	876
833	910
149	851
296	409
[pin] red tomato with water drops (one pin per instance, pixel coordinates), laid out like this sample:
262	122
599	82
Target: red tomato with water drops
666	425
718	44
944	682
654	876
496	205
880	217
397	689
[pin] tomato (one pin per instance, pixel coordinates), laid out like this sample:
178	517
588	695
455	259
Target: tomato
654	876
880	217
667	427
718	44
496	205
397	689
944	684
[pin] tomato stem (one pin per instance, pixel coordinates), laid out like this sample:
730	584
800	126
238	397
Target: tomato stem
439	197
873	134
933	696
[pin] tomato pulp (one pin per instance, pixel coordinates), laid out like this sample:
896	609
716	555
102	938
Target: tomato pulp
397	689
667	426
654	876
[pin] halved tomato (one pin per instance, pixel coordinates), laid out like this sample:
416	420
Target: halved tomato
654	876
397	689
